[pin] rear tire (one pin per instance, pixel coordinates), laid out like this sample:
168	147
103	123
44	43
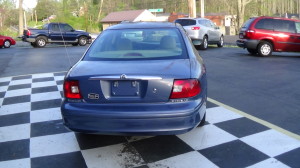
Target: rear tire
264	49
202	123
204	44
82	41
221	42
252	51
41	42
6	44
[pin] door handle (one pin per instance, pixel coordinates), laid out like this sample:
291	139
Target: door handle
292	37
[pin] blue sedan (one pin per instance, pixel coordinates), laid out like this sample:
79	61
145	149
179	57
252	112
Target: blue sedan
141	78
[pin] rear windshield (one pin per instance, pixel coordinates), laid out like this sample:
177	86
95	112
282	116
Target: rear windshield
45	26
138	44
186	22
267	24
248	23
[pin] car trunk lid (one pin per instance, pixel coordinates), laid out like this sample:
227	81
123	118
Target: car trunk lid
129	81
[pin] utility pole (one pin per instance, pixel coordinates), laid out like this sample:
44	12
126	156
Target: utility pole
299	8
25	21
21	19
35	17
100	11
201	8
192	8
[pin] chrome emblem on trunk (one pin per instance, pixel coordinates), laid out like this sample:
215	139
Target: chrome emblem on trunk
123	76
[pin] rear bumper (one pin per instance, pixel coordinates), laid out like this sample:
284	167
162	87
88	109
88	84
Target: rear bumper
250	44
28	39
156	119
195	37
197	41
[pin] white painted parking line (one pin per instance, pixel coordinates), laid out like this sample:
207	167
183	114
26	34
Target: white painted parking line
258	120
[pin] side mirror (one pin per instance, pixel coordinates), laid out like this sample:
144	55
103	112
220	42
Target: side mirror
217	27
72	30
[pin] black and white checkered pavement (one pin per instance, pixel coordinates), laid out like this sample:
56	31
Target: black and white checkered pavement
32	135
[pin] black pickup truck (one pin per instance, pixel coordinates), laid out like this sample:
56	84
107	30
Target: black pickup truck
56	33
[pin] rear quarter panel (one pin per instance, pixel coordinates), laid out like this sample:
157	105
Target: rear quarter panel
198	70
191	33
38	32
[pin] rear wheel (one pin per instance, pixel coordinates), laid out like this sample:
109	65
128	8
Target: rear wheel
252	51
221	42
6	44
265	49
204	44
41	42
82	41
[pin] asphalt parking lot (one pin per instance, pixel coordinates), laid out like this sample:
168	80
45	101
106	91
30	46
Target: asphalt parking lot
253	114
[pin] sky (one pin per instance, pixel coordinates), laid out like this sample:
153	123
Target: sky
27	4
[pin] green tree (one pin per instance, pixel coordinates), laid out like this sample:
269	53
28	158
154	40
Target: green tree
8	15
45	8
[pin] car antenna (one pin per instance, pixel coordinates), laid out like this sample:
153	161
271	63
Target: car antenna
68	56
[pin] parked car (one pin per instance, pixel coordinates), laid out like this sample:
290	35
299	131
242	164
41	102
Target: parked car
56	33
202	32
6	41
140	78
264	35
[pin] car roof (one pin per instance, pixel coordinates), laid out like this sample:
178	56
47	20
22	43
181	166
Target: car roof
57	23
269	17
193	18
141	25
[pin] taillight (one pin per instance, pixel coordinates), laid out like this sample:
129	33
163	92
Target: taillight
195	28
249	33
71	90
185	88
28	33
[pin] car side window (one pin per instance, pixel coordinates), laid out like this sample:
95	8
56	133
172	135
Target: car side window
265	24
202	22
67	28
284	26
207	23
297	27
211	24
55	27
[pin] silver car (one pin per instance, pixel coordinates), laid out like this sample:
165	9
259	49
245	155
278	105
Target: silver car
202	32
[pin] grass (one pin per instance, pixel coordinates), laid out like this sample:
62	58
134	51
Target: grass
231	45
9	33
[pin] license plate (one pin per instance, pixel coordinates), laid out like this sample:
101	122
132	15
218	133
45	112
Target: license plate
125	88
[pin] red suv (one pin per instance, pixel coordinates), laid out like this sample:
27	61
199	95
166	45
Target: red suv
263	35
